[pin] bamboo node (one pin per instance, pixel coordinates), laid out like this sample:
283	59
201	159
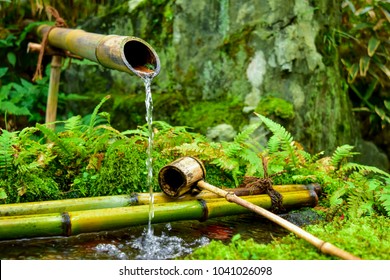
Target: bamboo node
229	196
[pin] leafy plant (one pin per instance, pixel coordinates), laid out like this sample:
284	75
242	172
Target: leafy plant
7	142
239	157
365	53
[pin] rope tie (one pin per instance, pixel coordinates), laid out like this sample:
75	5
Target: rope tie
60	22
264	185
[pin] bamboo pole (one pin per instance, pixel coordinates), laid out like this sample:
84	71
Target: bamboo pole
52	98
123	53
76	222
324	247
89	203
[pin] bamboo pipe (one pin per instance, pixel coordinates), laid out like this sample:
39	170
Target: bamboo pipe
76	222
89	203
180	175
52	97
124	53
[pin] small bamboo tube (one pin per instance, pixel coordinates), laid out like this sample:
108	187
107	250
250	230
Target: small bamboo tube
324	247
76	222
89	203
52	98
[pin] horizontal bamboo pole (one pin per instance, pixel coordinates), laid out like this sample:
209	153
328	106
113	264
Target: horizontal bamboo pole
76	222
67	205
123	53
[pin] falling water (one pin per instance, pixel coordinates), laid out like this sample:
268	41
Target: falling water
149	161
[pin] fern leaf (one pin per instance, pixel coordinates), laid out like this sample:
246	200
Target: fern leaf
277	130
282	139
340	154
336	198
226	164
350	166
273	144
136	132
73	124
246	133
385	201
231	149
53	137
7	141
92	122
254	163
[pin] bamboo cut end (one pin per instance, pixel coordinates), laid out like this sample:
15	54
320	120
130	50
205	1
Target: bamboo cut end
181	176
140	57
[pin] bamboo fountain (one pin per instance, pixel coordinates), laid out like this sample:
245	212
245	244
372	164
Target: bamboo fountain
83	215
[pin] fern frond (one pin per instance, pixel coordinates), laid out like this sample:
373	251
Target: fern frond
385	201
7	141
284	136
336	198
226	163
360	202
231	149
161	125
273	144
73	124
350	166
53	137
254	163
281	140
246	133
340	154
93	119
136	132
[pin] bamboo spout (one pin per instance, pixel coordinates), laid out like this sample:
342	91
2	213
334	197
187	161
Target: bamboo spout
124	53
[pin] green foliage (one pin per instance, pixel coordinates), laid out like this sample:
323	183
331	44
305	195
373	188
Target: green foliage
364	51
88	157
23	98
341	154
239	157
7	142
348	235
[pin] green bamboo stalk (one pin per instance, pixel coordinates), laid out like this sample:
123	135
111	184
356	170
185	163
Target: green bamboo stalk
76	222
90	203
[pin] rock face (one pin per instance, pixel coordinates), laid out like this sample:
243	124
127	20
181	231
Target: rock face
245	51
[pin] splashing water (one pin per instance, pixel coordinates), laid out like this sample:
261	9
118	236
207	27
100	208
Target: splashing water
153	247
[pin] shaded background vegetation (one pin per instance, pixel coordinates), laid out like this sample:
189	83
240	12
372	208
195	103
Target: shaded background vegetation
209	82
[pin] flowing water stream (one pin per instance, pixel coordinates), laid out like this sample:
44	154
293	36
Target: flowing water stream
149	160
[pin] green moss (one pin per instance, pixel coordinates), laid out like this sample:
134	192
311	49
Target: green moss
365	237
205	114
275	106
